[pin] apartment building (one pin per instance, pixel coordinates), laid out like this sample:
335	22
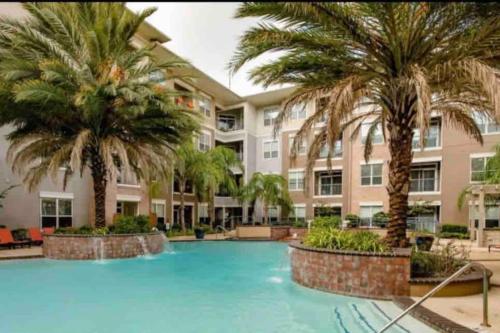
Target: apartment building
449	162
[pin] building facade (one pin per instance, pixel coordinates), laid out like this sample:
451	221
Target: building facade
449	162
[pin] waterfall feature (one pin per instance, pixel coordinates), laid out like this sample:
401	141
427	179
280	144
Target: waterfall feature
166	243
98	244
144	246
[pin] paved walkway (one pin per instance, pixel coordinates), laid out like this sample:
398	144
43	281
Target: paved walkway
32	252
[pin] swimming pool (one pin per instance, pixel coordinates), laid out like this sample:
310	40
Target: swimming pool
200	287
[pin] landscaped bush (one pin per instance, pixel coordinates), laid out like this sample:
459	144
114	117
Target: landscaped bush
353	220
381	219
454	235
441	262
454	228
336	239
20	234
175	233
132	225
299	224
327	222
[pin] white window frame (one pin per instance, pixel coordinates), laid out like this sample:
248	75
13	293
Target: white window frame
296	178
301	207
485	157
377	208
416	136
484	123
372	176
57	216
298	111
269	216
202	144
437	178
270	115
159	202
205	105
267	148
302	148
319	183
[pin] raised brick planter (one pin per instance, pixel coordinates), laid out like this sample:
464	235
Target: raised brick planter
279	232
85	247
361	274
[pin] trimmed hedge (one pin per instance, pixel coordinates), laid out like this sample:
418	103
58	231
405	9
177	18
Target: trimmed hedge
457	235
454	228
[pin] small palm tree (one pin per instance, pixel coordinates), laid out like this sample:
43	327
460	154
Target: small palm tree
271	190
398	62
78	95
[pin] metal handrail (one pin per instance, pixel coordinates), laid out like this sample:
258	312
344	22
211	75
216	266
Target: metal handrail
441	286
224	231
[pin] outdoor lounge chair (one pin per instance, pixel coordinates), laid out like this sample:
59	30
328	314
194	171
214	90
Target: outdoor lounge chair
36	236
7	240
494	246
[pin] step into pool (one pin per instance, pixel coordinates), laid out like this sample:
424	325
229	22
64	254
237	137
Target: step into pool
198	287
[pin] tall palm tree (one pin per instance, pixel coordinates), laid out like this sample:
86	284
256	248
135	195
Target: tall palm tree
397	61
271	190
78	95
189	164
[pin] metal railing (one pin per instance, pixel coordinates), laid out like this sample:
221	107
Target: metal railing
422	223
444	284
224	231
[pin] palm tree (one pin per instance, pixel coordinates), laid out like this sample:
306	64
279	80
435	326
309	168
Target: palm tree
78	95
398	62
271	190
189	164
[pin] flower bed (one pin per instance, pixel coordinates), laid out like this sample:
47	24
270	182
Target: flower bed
93	247
379	275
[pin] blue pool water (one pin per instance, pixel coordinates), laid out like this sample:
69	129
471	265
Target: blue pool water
201	287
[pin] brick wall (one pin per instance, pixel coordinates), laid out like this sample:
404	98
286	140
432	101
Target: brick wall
81	247
363	274
279	232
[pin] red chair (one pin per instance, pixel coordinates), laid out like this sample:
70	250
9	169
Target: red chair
48	231
36	236
7	240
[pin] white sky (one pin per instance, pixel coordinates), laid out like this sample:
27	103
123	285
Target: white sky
207	35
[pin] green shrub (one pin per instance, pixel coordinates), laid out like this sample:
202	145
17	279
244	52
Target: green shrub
353	220
86	230
20	234
327	222
454	228
456	235
67	230
336	239
381	219
441	262
175	233
299	224
131	225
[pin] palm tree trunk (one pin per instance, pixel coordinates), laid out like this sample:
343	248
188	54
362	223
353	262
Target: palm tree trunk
265	214
98	171
211	208
400	147
181	206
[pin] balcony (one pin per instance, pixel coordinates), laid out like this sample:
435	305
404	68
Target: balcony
328	183
230	120
237	146
425	178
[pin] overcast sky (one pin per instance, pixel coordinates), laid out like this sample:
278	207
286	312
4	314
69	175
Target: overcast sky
205	34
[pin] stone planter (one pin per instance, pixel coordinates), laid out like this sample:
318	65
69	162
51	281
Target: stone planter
468	284
92	247
360	274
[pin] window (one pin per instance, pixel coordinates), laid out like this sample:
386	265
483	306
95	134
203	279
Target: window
371	174
492	215
127	208
272	214
295	180
126	178
328	183
205	106
299	213
302	148
432	138
270	149
320	104
157	76
298	112
327	211
478	167
366	214
159	209
204	142
337	150
424	178
56	213
486	124
377	134
270	116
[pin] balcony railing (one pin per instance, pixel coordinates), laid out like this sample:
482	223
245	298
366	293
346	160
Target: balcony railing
330	189
229	127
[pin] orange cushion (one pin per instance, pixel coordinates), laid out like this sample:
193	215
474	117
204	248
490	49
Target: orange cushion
35	234
48	231
6	236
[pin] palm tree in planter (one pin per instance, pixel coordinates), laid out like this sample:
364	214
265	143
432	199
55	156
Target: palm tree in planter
270	190
78	95
390	63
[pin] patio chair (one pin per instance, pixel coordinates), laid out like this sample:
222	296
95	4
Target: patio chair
35	235
7	240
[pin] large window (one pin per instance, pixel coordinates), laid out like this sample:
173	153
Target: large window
478	167
204	142
302	148
337	150
56	212
366	214
272	214
328	183
205	106
298	112
424	178
269	116
371	174
270	149
492	215
486	125
377	134
159	209
126	178
299	213
432	138
295	180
